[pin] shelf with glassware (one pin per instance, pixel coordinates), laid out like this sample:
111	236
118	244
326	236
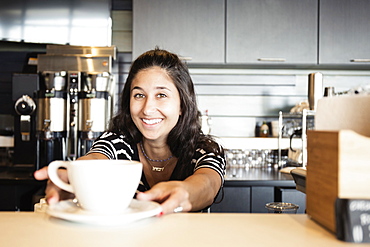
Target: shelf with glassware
295	126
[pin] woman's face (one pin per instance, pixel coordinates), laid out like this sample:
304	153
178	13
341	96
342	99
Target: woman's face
154	103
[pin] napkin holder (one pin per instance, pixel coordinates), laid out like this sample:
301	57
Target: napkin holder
338	166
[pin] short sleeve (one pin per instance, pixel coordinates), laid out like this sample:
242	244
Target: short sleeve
114	146
204	159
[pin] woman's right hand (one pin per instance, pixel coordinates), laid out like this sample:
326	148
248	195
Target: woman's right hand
53	193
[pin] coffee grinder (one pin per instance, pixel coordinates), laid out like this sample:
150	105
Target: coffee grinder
23	88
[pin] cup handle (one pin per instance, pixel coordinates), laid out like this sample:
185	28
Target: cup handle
53	175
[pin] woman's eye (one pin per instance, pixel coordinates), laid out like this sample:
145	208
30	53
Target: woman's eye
161	95
139	96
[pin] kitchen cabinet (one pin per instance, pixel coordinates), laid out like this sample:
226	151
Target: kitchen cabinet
19	190
192	29
344	32
293	196
234	200
250	192
252	199
17	197
260	196
271	31
255	32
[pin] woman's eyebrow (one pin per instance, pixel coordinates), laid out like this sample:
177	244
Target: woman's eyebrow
136	87
157	88
163	87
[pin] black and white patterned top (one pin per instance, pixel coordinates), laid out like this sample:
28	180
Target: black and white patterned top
116	146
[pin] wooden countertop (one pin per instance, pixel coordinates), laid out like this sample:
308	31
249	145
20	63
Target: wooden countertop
184	229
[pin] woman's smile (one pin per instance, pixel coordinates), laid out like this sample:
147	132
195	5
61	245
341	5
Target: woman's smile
152	121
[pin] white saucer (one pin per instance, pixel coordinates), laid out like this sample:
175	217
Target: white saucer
68	210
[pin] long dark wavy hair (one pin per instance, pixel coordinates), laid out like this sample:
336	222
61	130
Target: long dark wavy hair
186	136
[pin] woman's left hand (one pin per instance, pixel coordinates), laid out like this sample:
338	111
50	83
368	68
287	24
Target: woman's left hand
172	196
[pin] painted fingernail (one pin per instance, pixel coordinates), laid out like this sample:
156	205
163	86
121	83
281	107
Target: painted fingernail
160	214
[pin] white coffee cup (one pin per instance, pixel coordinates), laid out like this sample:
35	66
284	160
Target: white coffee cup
100	186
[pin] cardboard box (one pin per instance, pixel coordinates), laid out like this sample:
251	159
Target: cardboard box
350	112
338	166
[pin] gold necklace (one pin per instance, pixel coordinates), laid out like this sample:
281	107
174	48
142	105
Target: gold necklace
157	168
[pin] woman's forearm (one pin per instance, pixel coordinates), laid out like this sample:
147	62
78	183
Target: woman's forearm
203	187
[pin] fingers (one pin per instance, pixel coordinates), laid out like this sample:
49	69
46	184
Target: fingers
52	193
172	196
176	203
142	196
41	174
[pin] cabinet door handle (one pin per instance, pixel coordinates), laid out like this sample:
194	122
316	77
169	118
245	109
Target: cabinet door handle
271	59
360	60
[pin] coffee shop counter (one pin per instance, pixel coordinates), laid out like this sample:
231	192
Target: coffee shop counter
21	189
182	229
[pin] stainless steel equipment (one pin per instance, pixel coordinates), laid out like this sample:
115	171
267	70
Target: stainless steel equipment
51	117
73	101
94	109
315	89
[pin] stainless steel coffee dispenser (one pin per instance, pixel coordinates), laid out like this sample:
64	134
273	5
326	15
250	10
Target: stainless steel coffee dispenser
74	100
51	117
94	109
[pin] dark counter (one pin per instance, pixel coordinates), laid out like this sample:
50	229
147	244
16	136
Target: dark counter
9	175
257	177
19	190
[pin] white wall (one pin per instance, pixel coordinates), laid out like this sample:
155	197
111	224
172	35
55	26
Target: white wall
237	99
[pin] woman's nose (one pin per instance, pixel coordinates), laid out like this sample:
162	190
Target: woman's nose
150	106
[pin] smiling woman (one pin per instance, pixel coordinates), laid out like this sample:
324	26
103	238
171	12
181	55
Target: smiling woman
155	103
158	124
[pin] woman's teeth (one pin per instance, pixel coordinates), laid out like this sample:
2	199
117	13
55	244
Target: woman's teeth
152	121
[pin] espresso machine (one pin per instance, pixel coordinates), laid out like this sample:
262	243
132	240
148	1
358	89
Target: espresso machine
73	101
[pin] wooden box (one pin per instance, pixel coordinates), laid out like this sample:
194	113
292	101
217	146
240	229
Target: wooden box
338	166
